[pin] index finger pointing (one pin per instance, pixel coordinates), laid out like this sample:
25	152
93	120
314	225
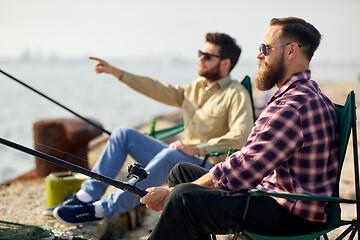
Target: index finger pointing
96	59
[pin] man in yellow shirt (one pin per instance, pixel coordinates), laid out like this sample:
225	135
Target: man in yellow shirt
217	115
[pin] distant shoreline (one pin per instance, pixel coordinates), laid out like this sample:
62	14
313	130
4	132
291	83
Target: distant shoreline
322	71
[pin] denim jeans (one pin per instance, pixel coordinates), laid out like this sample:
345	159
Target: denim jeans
155	156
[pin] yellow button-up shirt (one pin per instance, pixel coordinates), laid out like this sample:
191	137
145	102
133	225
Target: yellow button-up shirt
215	118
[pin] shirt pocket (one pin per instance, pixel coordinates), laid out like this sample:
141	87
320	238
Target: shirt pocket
214	111
213	116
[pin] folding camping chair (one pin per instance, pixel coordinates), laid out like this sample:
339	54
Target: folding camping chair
168	132
347	121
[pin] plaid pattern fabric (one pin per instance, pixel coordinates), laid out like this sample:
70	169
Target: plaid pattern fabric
292	148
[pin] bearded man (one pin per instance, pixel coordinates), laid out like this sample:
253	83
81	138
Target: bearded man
217	115
292	148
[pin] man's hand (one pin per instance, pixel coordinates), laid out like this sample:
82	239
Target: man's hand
188	150
155	197
102	66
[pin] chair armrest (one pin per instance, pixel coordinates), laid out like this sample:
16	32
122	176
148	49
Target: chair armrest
303	197
164	133
211	154
215	154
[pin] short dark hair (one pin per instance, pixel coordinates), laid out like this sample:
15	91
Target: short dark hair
300	31
228	47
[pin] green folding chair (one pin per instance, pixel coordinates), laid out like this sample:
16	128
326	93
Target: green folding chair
169	132
347	121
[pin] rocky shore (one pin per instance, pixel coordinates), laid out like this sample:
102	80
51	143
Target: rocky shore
23	200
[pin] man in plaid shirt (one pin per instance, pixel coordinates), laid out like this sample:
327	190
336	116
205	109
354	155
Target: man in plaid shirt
292	148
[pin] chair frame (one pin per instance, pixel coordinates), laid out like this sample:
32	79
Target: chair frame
354	225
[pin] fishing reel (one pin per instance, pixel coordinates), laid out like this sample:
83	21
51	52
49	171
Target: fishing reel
137	171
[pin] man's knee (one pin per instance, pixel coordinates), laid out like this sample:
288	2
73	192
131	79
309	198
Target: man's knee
123	133
122	130
182	167
176	173
184	173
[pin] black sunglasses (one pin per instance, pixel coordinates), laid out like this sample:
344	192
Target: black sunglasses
264	49
207	56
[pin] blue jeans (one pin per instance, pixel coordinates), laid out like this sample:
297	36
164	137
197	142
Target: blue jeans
154	155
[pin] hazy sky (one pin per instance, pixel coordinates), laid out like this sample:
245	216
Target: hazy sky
119	28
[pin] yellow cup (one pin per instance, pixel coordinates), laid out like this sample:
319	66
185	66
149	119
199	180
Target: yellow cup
60	184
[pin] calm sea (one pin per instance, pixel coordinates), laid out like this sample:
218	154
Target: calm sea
98	96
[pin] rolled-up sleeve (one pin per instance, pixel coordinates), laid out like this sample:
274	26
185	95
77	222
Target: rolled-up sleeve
275	138
162	92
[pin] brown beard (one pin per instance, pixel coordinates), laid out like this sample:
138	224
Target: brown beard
211	74
269	75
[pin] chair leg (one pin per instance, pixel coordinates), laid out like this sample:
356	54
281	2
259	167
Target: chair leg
353	232
346	232
356	165
235	236
213	236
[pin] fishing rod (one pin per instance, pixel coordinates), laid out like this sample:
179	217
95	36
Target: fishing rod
57	103
124	186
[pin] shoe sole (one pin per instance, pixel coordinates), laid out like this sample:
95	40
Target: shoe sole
48	212
56	215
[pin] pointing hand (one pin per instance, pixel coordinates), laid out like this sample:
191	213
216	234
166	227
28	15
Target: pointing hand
101	66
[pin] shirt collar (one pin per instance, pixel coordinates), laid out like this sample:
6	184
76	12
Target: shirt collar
222	83
303	75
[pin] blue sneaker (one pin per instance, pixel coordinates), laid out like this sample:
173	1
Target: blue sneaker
70	199
76	214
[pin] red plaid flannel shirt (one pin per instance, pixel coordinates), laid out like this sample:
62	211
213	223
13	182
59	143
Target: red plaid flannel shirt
292	148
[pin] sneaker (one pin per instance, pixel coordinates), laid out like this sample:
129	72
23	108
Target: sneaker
76	214
70	199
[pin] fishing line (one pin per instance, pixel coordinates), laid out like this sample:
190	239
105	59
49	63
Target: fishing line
57	103
71	155
71	111
118	184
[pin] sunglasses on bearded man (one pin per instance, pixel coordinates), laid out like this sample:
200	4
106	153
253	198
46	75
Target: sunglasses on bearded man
264	49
